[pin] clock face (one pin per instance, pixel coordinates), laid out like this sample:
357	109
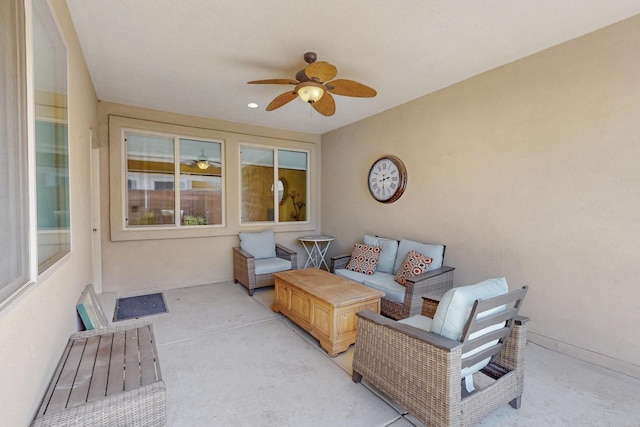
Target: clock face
387	179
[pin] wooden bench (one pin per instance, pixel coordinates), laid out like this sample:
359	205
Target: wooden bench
107	377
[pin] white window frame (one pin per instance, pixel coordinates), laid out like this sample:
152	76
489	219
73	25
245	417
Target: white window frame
27	118
177	176
196	128
276	220
118	127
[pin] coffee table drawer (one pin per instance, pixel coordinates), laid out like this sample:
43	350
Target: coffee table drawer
300	305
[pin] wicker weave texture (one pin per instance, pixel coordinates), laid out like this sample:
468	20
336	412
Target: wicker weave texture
141	405
439	281
419	376
244	268
505	390
419	371
145	406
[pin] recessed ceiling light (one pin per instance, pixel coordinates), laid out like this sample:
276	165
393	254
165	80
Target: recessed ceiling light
252	105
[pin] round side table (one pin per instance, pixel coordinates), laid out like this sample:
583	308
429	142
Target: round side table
316	248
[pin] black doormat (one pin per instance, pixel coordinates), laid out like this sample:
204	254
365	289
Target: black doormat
140	306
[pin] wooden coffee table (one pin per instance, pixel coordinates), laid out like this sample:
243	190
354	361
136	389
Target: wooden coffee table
324	305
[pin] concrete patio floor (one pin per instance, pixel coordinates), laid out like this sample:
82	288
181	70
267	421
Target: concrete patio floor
228	360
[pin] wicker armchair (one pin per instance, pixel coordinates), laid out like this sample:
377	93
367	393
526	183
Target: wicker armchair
422	371
256	271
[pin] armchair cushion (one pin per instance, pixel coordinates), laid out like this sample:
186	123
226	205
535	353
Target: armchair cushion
259	244
418	321
271	265
414	264
364	258
388	252
456	304
453	313
435	252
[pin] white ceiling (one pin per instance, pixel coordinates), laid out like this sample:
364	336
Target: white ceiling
196	56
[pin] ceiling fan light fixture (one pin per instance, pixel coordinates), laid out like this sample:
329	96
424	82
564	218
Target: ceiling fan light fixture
310	91
202	164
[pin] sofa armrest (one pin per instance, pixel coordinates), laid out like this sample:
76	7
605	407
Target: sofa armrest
432	273
438	280
417	369
288	254
339	261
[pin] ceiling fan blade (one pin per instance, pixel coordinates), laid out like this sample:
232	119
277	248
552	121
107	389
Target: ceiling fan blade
350	88
281	99
325	105
274	82
322	71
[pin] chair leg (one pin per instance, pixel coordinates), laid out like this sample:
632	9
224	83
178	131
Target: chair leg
515	403
250	292
356	377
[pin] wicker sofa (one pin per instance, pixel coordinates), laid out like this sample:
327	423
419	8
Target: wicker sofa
399	301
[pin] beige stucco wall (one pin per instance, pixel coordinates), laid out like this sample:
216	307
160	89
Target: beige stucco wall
131	267
529	171
35	328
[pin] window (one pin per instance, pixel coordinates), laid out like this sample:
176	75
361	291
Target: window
51	139
273	178
52	192
36	201
155	164
180	181
14	227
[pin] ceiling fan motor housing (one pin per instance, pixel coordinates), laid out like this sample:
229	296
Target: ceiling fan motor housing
310	57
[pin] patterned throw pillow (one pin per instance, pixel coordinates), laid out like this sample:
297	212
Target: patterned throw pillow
413	265
364	258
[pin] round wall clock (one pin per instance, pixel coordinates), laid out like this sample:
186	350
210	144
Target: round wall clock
387	179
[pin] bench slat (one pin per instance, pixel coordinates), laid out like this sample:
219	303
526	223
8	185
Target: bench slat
147	357
98	388
54	381
94	367
60	395
82	381
132	361
115	382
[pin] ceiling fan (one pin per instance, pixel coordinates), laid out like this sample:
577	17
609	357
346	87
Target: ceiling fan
202	162
314	85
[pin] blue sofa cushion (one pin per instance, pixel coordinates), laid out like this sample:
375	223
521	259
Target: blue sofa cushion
383	282
351	275
388	252
386	283
435	252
